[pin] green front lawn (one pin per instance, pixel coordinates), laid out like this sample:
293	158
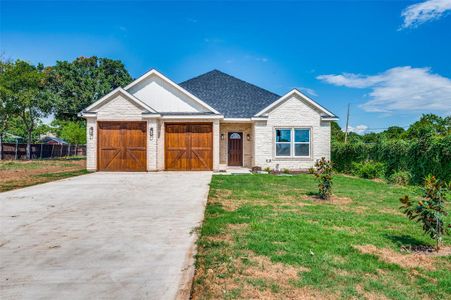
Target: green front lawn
268	236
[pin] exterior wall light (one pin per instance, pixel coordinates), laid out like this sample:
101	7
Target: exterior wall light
248	137
151	133
91	132
222	136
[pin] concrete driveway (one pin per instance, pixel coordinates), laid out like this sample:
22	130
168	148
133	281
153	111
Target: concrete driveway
102	236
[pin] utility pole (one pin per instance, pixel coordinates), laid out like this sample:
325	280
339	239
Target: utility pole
347	125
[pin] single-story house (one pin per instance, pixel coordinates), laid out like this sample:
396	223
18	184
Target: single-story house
208	122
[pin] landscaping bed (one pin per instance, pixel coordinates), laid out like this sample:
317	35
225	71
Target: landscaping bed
268	236
17	174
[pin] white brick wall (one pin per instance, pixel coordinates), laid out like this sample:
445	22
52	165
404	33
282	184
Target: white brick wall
152	145
292	113
119	109
91	145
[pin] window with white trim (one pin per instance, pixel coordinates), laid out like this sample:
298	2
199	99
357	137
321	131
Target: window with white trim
292	142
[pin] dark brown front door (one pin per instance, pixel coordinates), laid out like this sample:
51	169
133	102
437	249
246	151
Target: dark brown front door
121	146
189	147
235	149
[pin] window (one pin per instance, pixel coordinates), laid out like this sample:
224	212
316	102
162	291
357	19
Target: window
292	142
235	136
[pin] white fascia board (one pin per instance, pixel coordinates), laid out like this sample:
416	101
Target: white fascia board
329	119
173	84
259	119
287	96
150	116
237	120
123	92
188	117
87	114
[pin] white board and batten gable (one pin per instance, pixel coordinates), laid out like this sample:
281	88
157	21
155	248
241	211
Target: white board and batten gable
295	96
150	94
162	94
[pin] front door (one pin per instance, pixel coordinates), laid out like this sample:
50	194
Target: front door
235	149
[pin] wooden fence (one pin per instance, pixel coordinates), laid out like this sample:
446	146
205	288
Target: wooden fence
40	151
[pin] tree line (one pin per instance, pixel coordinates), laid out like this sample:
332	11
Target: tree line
423	149
29	93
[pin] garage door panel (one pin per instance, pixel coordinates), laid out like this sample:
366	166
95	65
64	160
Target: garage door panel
122	146
177	160
188	147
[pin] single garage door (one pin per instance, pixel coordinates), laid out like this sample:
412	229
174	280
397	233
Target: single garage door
121	146
189	147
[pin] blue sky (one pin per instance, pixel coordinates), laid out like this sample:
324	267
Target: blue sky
390	60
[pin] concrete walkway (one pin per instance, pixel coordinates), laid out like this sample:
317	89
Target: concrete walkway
102	236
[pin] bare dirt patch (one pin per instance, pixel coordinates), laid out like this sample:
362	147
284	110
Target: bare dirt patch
427	250
229	203
369	295
333	199
345	228
391	211
253	277
406	261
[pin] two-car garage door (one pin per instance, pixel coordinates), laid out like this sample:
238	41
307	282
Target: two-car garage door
122	146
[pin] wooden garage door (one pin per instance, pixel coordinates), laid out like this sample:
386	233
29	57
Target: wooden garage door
189	147
121	146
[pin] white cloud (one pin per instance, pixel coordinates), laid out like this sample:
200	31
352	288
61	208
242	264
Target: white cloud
308	91
359	129
400	89
417	14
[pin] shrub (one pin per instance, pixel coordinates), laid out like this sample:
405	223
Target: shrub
431	210
400	178
311	170
324	173
286	171
368	169
268	169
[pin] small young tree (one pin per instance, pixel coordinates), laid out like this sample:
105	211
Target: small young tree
324	173
430	211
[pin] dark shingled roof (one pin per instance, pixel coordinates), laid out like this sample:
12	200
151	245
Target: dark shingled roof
232	97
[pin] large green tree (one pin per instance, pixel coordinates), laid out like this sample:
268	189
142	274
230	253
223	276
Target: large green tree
24	86
430	125
7	109
77	84
73	132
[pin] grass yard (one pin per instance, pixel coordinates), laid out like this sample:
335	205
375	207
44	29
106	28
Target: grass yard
18	174
269	237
